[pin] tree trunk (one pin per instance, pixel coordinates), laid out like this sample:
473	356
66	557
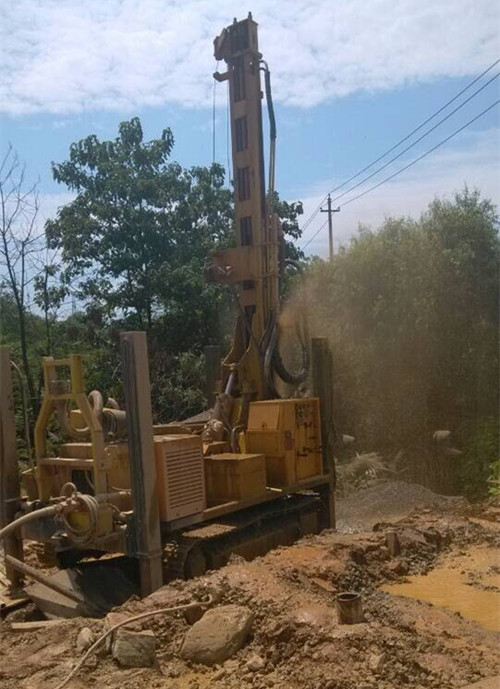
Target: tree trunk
34	399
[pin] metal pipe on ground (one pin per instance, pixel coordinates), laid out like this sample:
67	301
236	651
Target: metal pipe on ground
350	608
43	579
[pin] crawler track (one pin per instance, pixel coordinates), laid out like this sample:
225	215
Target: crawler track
249	533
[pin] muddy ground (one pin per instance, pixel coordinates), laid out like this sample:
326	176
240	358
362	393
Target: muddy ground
291	592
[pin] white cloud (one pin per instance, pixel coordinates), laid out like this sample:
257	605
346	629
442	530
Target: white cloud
472	161
61	56
50	204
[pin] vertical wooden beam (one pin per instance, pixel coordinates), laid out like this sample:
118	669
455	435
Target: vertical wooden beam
146	521
322	380
9	471
213	356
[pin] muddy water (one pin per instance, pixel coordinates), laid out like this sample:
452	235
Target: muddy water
458	584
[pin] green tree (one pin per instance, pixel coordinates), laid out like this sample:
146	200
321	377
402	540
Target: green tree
412	313
10	335
49	296
134	243
139	230
20	242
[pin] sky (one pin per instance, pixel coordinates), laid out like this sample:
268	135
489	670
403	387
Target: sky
350	79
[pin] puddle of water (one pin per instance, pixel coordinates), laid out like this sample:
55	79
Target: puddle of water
446	587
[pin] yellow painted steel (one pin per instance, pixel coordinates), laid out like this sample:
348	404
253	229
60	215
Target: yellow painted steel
288	433
60	389
252	266
234	476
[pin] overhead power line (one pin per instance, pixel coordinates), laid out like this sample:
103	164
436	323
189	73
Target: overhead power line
414	131
314	236
424	155
426	133
413	162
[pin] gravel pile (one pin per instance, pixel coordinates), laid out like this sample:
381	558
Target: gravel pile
387	501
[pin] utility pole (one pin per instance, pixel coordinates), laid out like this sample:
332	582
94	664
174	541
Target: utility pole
330	210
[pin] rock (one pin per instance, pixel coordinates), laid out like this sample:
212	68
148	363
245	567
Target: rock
398	567
392	542
174	670
111	619
92	662
314	615
383	553
433	537
219	634
376	662
411	539
256	663
84	640
192	615
134	649
358	555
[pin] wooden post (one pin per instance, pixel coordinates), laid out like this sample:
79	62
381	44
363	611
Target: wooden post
146	521
9	471
213	355
322	380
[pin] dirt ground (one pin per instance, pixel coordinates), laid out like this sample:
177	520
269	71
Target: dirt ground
291	592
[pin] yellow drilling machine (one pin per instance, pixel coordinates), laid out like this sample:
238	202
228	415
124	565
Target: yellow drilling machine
178	499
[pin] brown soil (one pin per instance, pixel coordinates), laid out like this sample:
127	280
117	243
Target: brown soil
291	591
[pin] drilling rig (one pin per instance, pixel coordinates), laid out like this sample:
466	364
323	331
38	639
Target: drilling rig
180	498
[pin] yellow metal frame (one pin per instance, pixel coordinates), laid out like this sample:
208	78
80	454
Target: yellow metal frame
251	266
78	396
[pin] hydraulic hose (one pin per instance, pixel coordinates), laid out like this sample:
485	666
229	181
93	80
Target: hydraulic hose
235	445
50	511
70	501
111	418
268	368
129	620
83	536
285	374
273	361
97	403
272	133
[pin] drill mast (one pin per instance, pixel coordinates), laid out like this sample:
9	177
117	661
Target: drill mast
253	266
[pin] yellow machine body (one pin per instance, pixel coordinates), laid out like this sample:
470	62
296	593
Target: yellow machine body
80	521
258	456
252	265
180	476
179	470
235	476
57	391
288	433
